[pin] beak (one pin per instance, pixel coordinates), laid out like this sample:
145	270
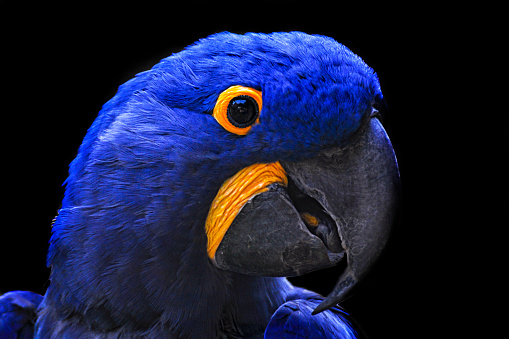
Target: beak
340	203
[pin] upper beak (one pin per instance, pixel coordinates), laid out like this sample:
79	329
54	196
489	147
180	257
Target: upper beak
339	203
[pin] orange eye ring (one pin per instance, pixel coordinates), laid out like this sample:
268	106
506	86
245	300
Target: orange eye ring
238	109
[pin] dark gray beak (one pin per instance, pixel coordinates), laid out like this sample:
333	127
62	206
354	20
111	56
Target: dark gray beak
340	203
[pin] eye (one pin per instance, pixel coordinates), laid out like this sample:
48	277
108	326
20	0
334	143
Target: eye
242	111
238	109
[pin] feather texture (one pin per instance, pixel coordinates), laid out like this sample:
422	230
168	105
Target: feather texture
18	314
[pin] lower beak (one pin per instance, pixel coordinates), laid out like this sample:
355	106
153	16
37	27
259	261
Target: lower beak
338	204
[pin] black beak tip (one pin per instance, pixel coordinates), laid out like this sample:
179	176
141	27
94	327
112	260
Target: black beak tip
342	289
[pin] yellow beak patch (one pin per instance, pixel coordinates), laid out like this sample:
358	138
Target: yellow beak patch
234	194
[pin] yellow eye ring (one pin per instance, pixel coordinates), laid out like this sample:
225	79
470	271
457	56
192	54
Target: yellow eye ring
238	109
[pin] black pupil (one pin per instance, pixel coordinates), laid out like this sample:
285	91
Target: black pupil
242	111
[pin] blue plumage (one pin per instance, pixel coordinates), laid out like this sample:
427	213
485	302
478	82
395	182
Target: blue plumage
128	248
294	320
17	314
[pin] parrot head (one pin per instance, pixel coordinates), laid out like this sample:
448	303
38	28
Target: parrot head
260	154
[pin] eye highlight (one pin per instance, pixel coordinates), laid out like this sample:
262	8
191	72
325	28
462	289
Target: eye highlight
238	109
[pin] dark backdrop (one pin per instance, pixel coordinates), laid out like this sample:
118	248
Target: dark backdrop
61	64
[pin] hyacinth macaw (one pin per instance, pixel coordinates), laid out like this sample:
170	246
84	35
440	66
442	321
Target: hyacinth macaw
207	180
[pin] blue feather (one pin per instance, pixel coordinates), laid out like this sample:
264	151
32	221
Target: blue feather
293	319
18	314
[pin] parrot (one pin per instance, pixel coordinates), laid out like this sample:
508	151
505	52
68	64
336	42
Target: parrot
207	181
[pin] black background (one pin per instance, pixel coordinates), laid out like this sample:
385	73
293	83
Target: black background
61	63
